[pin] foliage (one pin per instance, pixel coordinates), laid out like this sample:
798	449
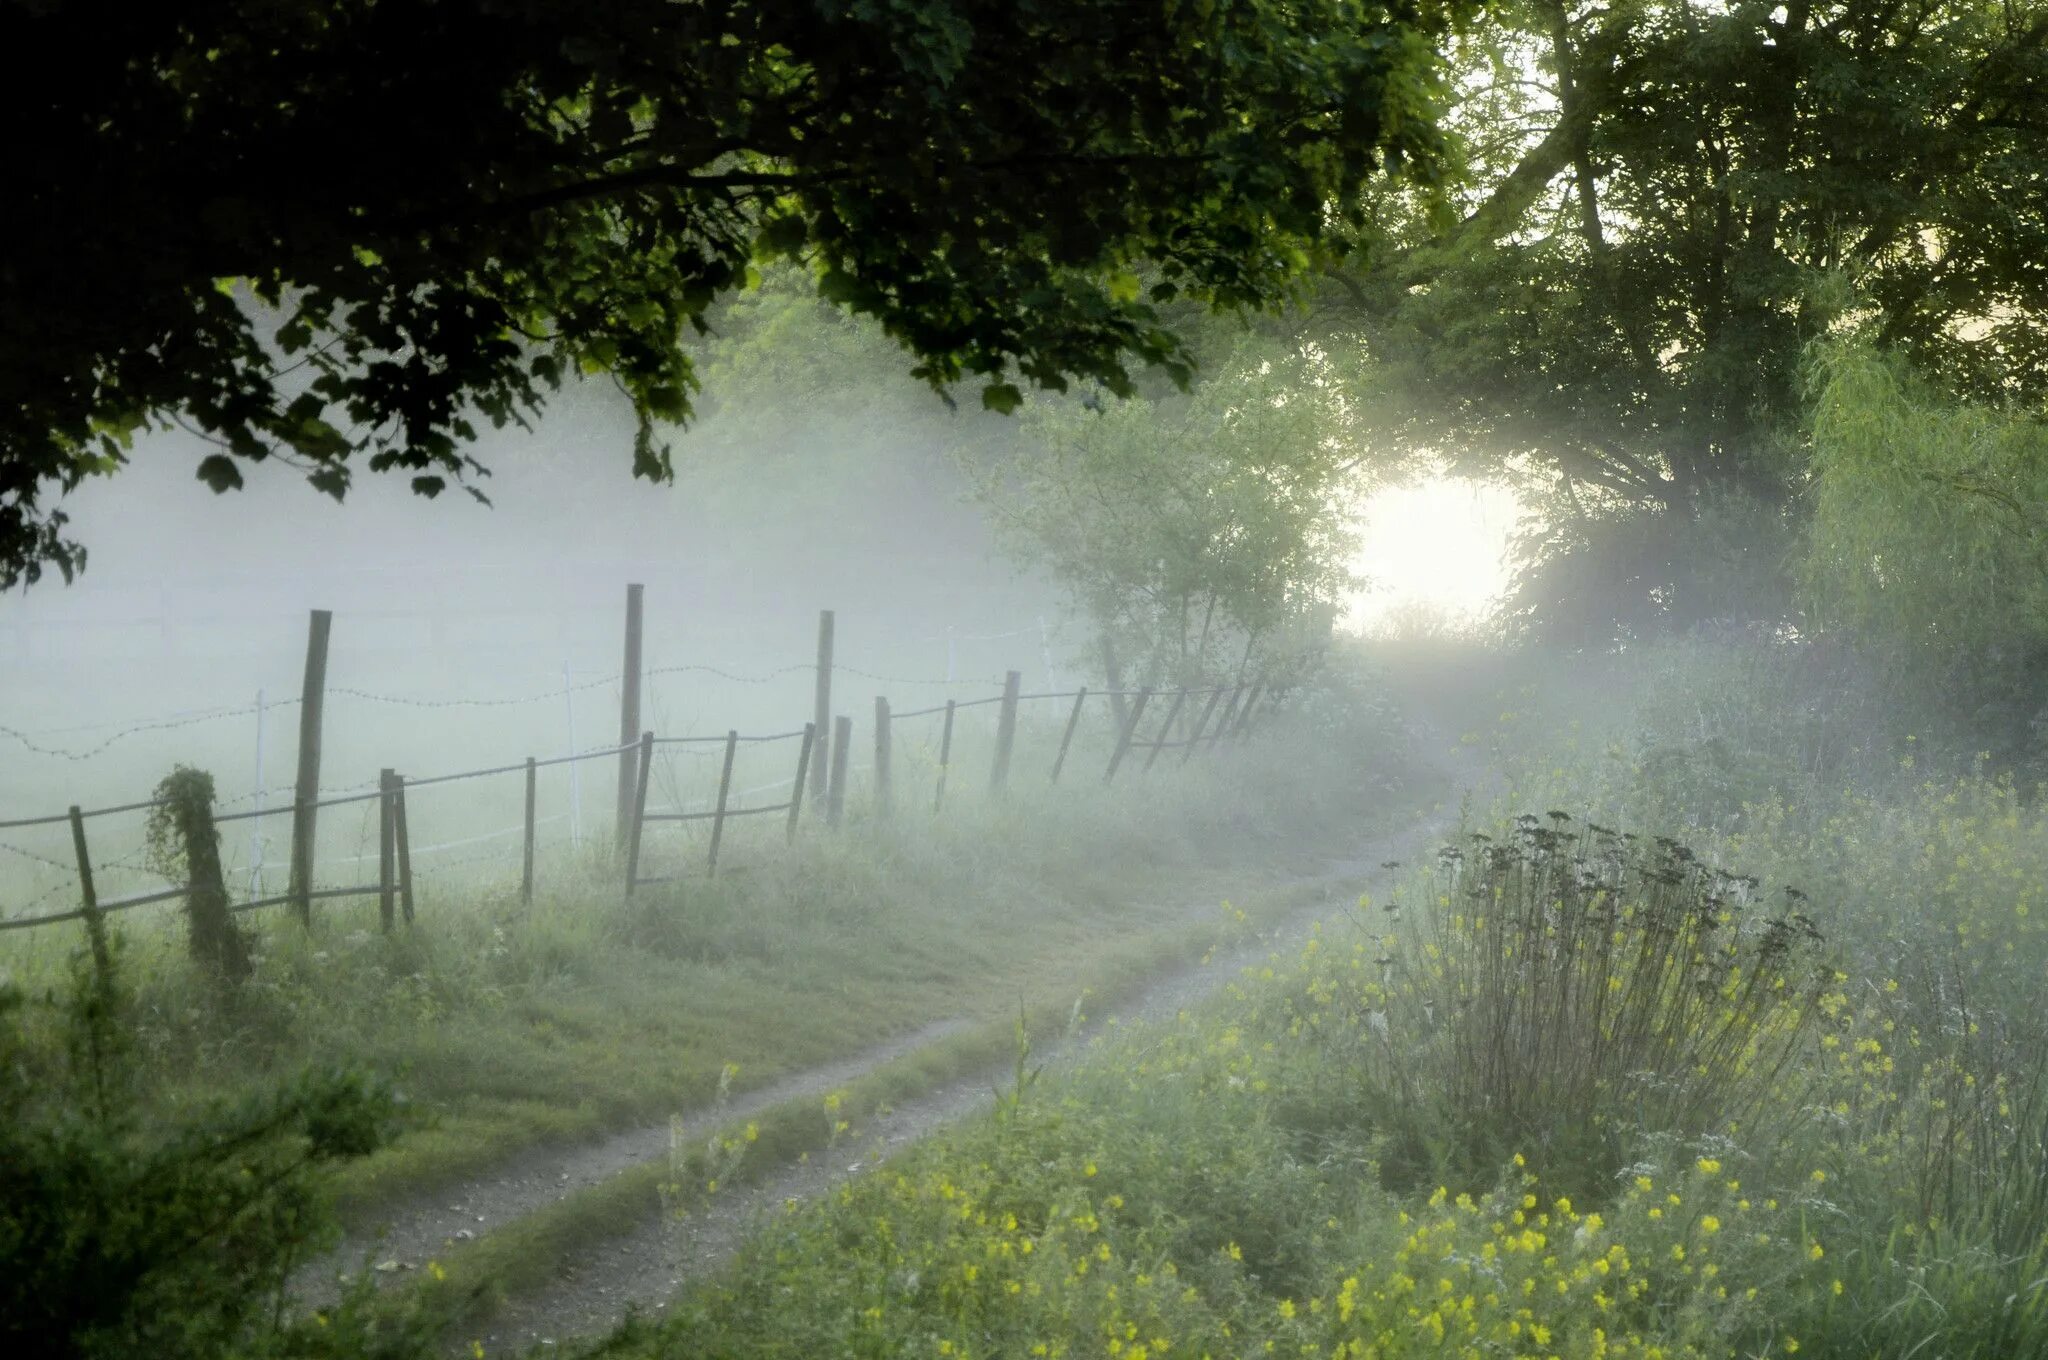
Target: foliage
1929	539
1663	205
122	1235
1197	530
183	841
318	231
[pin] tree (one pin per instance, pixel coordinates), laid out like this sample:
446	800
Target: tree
1196	528
330	232
1930	536
1665	204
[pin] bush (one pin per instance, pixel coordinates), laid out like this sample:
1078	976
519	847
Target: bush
1574	993
122	1234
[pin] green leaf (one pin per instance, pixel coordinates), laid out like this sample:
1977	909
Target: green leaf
219	472
1002	398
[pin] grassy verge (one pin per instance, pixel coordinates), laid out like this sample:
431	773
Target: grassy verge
1469	1124
507	1026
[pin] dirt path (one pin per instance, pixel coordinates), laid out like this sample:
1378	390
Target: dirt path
407	1236
644	1264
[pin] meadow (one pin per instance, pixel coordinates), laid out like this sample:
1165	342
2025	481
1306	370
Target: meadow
1686	1045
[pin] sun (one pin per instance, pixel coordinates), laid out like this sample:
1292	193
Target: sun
1439	545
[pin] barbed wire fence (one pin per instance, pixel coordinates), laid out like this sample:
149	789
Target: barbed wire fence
823	764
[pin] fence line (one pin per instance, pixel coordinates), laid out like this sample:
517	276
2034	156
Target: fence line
395	853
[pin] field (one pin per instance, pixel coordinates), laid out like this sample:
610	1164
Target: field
1571	1091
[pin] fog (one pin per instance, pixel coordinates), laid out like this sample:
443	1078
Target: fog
468	636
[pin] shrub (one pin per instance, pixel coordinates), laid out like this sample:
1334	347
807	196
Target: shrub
122	1234
1573	992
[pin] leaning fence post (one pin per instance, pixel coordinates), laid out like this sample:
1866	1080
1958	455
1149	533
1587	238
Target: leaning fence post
732	743
1229	712
1166	728
526	857
1006	733
1244	715
1201	724
796	792
629	707
387	851
835	794
1113	672
945	758
884	749
89	903
1123	739
306	790
639	813
404	831
1067	737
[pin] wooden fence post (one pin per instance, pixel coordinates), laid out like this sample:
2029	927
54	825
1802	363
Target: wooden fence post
732	744
1006	733
526	858
796	792
1123	739
1113	673
835	794
821	717
89	902
945	758
1201	724
639	811
306	788
387	851
1067	737
884	748
1166	728
629	709
1229	712
1244	715
404	848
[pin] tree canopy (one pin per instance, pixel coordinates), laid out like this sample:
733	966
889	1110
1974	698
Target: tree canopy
1664	203
344	234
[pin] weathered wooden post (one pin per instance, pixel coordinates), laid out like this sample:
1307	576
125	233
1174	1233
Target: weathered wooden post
404	830
835	795
884	749
823	753
1130	730
732	743
526	855
1229	712
1067	737
1113	673
1244	714
945	758
183	813
387	850
89	904
1006	733
639	812
1201	724
629	710
1166	728
306	788
796	792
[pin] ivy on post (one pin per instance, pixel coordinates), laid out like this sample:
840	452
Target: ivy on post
183	840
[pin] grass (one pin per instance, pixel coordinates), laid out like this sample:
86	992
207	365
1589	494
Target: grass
508	1026
470	1280
1374	1149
